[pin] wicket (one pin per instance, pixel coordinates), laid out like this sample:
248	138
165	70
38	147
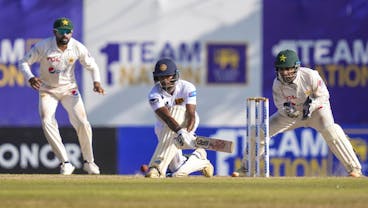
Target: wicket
257	118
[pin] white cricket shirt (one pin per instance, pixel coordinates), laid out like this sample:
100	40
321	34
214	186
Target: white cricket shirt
184	93
307	83
57	66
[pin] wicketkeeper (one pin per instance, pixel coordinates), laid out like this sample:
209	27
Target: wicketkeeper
302	100
174	102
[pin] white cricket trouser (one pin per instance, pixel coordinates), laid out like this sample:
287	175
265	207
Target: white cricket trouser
321	120
167	155
71	100
195	162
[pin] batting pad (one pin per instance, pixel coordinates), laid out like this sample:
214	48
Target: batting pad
341	147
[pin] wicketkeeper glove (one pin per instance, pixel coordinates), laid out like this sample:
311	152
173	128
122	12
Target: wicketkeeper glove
185	138
308	107
289	109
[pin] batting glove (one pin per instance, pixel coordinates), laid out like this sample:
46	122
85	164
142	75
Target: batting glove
185	139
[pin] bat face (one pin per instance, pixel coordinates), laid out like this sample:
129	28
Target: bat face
214	144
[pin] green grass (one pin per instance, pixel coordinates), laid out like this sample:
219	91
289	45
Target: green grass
85	191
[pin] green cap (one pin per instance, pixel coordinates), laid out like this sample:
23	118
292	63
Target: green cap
287	59
63	23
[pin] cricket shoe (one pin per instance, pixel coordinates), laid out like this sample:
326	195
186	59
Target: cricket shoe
66	168
208	170
356	174
241	172
91	168
152	173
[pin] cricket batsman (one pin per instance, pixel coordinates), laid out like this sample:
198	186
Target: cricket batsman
302	100
173	101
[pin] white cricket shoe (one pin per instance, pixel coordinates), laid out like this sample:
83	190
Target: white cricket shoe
208	170
91	168
152	173
356	173
66	168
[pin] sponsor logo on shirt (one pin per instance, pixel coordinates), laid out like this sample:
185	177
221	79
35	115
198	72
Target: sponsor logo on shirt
308	92
52	70
193	94
153	100
75	92
179	101
53	59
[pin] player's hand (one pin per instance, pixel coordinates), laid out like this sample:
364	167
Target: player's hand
308	107
35	83
289	109
185	138
97	88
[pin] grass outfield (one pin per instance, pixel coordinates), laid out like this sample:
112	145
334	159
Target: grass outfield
84	191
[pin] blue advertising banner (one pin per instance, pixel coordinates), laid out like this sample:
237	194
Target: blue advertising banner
335	44
136	145
301	152
27	22
26	150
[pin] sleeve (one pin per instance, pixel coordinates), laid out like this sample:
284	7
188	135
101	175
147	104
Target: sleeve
320	93
25	63
89	63
191	94
155	101
277	95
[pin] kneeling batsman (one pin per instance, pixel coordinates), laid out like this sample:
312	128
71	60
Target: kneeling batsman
168	154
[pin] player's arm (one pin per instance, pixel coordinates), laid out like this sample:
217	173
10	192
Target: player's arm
319	96
190	105
25	63
190	116
89	63
164	114
278	98
184	137
320	91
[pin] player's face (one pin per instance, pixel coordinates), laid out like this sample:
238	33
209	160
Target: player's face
287	74
63	36
167	83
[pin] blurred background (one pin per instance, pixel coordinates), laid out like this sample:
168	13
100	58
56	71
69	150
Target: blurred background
226	48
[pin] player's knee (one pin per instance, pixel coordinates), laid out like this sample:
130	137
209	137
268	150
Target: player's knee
46	120
332	133
81	125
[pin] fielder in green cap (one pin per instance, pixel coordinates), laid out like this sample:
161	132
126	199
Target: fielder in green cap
63	26
56	83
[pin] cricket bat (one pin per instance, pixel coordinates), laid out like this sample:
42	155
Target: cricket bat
214	144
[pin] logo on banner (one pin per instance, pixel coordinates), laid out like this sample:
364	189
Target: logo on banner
226	63
341	63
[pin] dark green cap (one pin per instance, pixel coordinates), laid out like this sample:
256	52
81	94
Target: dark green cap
287	59
63	23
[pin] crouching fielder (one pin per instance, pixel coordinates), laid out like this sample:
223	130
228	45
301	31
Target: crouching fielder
302	100
174	102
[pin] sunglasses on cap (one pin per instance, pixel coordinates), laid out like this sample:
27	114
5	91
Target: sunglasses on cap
63	31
